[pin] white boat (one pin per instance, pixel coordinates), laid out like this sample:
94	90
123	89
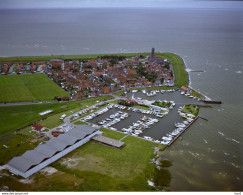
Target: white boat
165	142
186	122
166	138
134	134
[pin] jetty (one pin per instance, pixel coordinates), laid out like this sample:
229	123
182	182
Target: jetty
212	101
176	137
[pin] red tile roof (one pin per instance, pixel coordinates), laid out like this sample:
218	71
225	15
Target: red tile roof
37	127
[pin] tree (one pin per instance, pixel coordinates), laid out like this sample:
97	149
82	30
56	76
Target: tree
162	80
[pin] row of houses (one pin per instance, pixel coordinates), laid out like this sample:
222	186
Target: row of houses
99	76
13	68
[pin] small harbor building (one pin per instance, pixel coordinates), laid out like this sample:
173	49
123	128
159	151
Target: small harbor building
34	160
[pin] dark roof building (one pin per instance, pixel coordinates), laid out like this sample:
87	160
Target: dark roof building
34	160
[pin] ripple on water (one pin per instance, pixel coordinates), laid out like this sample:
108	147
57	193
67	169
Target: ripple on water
226	154
221	133
223	174
211	150
238	72
236	166
233	140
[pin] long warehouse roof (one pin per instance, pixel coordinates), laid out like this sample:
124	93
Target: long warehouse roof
44	151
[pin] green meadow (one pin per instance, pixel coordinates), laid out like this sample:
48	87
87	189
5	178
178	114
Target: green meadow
28	87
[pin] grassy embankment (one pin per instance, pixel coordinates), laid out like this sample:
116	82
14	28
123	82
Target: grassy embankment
17	117
196	94
28	87
181	76
96	167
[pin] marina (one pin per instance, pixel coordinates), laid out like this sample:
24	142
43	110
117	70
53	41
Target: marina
151	125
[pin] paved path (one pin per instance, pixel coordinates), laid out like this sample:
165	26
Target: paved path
124	137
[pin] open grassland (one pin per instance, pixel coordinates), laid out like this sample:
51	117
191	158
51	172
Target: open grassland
28	87
20	117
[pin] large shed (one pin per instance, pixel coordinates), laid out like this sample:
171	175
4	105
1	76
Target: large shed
44	154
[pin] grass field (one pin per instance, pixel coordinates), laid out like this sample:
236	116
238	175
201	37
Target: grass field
28	87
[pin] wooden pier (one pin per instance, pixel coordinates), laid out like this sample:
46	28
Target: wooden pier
175	138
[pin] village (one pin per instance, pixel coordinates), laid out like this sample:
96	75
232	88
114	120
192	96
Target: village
104	75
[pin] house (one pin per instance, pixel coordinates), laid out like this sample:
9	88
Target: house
184	88
106	90
131	72
132	101
56	133
37	127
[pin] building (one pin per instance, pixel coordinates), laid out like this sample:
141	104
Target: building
37	127
108	141
151	57
34	160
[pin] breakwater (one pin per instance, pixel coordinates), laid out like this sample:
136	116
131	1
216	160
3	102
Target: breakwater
175	138
213	101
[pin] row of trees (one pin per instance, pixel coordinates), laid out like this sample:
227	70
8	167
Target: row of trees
126	103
